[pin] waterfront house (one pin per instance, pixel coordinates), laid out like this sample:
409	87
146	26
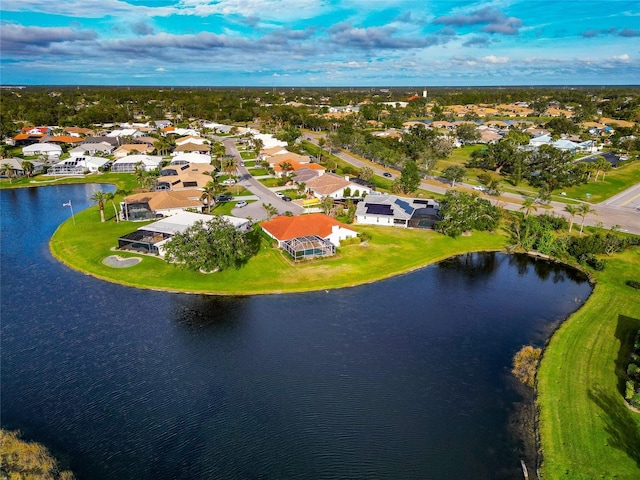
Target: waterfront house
150	205
131	162
308	236
152	238
390	210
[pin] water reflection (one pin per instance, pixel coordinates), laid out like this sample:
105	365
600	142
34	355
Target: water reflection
205	312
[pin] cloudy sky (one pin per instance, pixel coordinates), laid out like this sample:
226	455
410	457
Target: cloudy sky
319	42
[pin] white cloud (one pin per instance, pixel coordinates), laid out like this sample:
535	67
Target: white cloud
622	58
494	59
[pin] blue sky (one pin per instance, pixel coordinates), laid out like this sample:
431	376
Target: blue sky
319	42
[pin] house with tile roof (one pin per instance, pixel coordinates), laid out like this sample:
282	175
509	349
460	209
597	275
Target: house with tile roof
132	148
60	139
390	210
180	177
334	186
308	236
149	205
78	131
191	147
191	157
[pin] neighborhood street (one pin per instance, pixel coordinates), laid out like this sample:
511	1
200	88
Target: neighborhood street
622	210
262	194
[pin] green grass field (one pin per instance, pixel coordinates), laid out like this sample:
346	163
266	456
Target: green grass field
616	180
586	430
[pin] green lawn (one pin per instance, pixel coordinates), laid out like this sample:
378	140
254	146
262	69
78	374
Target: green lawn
389	252
586	430
616	180
248	155
269	182
256	172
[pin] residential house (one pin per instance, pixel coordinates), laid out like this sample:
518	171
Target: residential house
16	166
131	162
49	150
130	148
149	205
191	148
153	237
308	236
180	177
390	210
79	165
334	186
103	148
191	157
78	131
193	139
62	139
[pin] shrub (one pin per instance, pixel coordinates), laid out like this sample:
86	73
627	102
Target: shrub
633	371
633	284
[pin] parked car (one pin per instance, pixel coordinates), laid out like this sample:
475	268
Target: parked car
387	174
224	198
279	194
229	181
242	164
241	204
285	198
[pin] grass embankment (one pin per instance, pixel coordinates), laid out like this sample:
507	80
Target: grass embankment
586	430
389	252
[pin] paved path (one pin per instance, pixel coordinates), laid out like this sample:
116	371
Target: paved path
256	210
622	210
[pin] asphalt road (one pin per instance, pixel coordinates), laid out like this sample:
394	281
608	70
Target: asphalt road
622	210
264	195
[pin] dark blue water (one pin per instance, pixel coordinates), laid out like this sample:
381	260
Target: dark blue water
406	378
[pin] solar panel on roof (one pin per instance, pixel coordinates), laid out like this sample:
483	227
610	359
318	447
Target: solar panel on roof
378	209
421	202
408	209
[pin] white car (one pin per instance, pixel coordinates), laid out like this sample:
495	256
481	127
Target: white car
479	188
229	181
241	204
279	194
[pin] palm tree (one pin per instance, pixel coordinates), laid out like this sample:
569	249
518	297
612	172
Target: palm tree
600	165
28	167
209	193
528	206
112	196
140	173
7	171
100	197
572	210
605	168
583	210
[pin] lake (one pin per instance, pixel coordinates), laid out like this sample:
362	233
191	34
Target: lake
404	378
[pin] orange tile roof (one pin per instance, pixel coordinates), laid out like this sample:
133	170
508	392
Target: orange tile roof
65	139
327	184
287	228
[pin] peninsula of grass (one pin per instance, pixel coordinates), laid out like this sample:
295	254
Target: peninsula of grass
389	252
586	429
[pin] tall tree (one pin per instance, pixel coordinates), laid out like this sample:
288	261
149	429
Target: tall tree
583	210
572	210
208	247
7	171
100	197
454	173
27	167
409	177
468	133
528	206
209	193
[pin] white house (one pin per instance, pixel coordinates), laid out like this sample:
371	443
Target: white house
130	162
78	165
49	150
104	148
390	210
191	157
